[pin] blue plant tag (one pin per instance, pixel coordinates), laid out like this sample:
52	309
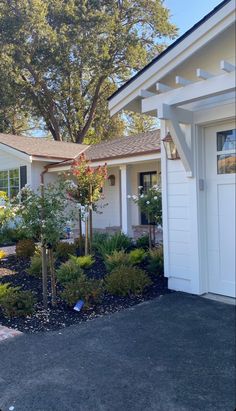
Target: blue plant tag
78	305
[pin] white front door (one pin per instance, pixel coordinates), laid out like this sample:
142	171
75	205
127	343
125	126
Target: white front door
220	198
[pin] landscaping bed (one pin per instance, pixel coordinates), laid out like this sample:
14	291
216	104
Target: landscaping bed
13	270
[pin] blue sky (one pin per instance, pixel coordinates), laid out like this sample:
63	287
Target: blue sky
185	13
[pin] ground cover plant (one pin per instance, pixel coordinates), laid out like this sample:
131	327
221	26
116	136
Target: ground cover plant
105	282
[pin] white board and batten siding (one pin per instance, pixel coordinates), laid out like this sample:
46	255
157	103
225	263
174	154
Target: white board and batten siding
179	218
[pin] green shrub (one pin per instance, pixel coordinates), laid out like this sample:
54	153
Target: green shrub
6	289
125	280
143	242
69	271
84	262
64	250
17	303
35	268
156	261
137	256
25	248
12	235
116	259
118	242
83	288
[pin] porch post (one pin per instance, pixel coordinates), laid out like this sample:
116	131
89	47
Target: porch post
125	188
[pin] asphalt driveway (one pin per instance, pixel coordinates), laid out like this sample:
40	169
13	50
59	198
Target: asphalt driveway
175	353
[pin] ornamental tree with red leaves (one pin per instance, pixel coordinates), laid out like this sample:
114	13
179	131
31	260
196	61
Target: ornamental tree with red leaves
86	190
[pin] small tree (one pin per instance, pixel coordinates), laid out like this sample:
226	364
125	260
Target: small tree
43	215
86	191
150	204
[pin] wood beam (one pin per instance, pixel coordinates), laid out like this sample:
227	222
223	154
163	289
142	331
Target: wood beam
195	91
162	88
202	74
228	67
165	112
182	81
146	93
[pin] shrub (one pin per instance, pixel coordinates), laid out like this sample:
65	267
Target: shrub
137	256
88	290
17	303
69	271
35	268
12	235
125	280
25	248
6	289
64	249
116	259
143	242
118	242
156	261
84	262
2	254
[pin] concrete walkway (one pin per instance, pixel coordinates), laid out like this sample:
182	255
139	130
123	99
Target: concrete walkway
6	333
175	353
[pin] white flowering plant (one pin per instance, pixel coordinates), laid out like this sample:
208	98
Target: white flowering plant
6	211
150	204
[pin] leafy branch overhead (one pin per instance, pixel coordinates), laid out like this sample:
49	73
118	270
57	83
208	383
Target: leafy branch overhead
65	58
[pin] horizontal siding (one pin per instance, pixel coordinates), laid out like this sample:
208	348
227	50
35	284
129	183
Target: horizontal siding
8	161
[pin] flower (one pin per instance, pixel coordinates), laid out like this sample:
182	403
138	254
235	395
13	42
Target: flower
134	197
155	197
142	195
147	202
128	196
140	187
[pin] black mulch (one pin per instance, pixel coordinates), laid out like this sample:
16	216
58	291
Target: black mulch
62	315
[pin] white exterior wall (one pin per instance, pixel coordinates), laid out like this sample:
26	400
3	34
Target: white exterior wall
37	169
110	216
9	161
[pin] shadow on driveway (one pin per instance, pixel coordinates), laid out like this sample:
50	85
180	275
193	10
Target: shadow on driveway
175	353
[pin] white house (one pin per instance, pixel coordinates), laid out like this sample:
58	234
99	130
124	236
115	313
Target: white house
131	161
191	88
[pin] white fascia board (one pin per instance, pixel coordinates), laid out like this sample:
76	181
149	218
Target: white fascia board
47	159
219	113
224	18
203	89
113	162
16	153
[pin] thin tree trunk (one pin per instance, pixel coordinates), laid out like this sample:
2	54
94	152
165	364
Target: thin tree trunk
53	278
44	277
154	234
86	235
80	234
149	233
90	218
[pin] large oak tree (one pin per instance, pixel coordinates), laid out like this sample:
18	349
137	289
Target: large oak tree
65	57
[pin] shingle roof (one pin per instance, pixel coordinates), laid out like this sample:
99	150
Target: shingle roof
41	147
125	147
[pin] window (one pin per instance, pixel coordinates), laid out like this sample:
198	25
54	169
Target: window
226	155
10	182
147	180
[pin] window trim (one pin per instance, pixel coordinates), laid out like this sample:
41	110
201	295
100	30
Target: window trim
8	179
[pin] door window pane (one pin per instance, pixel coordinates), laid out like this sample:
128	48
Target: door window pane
226	163
226	140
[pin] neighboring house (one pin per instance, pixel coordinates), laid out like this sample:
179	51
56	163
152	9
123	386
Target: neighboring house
191	88
131	161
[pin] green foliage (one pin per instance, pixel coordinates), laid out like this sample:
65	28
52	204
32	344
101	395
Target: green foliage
150	203
64	250
116	242
63	59
6	211
124	280
143	242
136	256
17	303
84	262
156	261
25	248
69	271
10	235
88	290
116	259
35	268
6	289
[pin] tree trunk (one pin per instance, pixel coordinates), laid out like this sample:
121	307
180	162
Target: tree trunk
90	230
86	236
44	277
149	233
53	278
80	234
154	234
